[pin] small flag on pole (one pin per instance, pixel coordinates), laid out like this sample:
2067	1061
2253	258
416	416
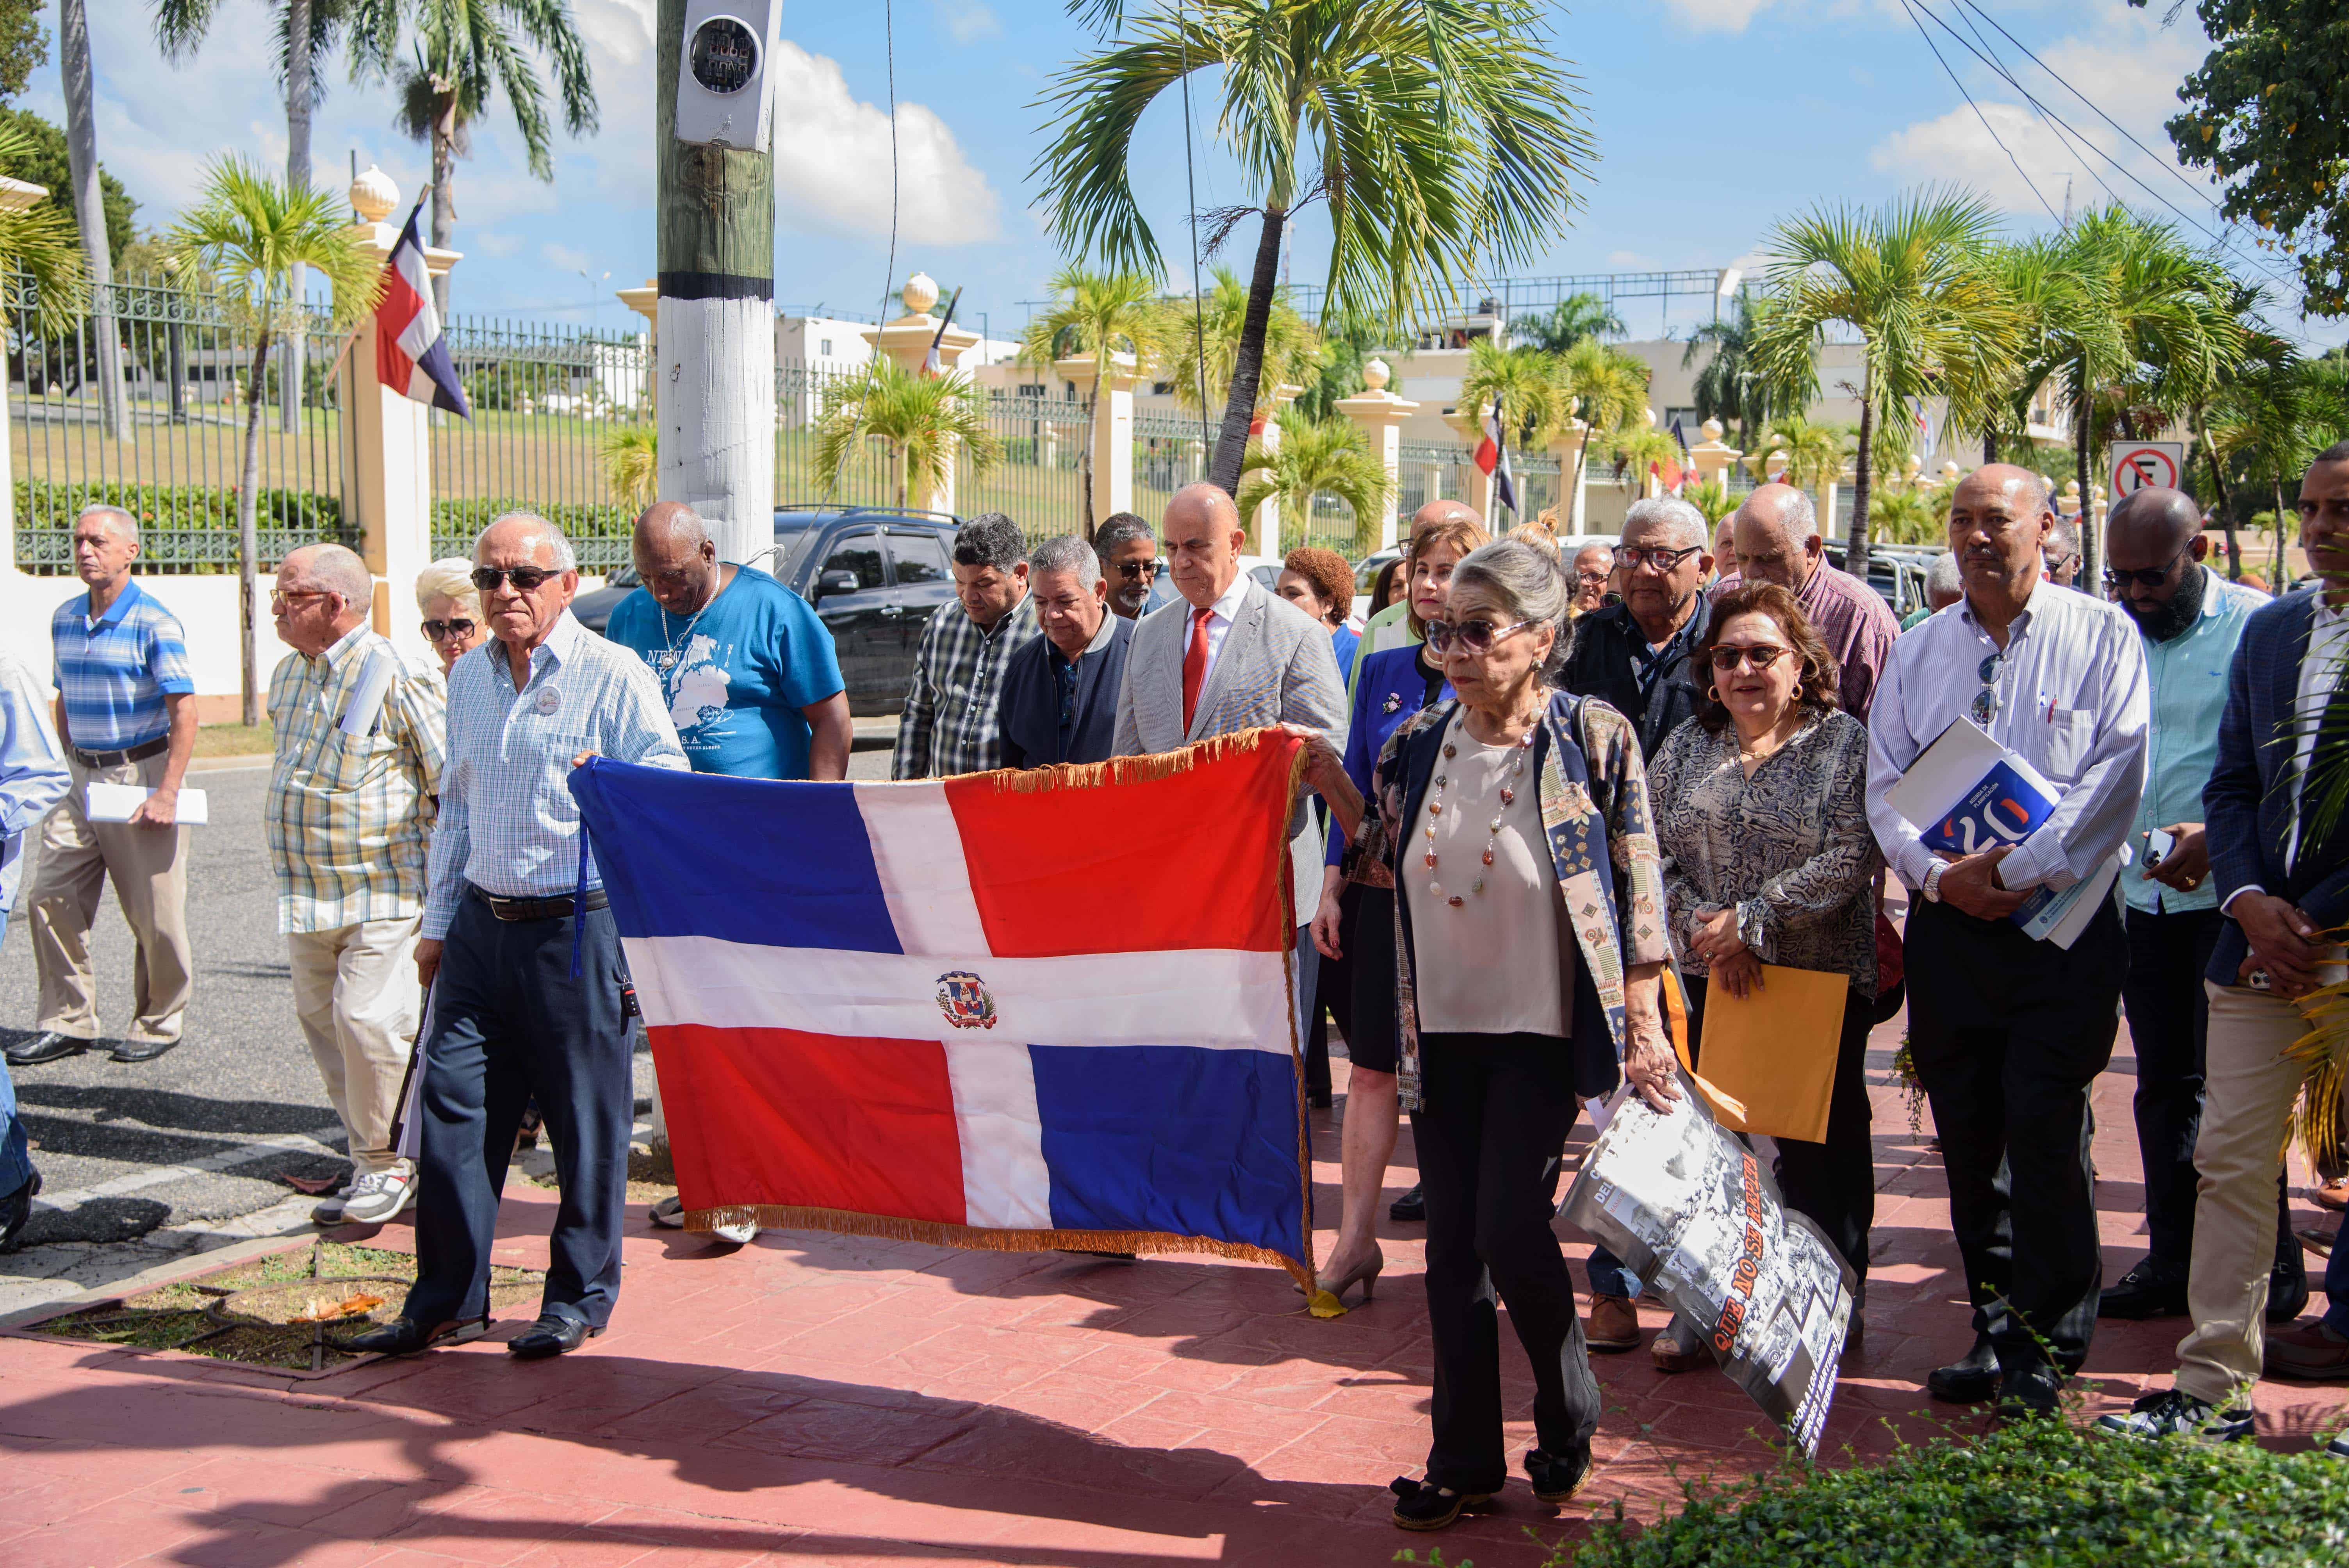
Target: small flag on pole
411	356
1493	457
931	366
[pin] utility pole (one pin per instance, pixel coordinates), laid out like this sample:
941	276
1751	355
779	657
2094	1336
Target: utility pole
714	371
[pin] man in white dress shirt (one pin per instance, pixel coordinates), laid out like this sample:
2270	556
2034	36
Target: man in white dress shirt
2008	1032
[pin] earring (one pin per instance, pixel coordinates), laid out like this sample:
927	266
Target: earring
1713	693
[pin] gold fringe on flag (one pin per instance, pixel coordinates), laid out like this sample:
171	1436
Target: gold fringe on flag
1135	769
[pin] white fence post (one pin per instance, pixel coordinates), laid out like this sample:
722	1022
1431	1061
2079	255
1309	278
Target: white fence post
1379	414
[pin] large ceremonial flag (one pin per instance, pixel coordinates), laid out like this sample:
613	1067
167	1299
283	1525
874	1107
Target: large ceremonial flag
411	355
1020	1010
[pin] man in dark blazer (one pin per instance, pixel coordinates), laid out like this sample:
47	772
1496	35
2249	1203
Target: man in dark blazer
1635	656
1061	688
2282	872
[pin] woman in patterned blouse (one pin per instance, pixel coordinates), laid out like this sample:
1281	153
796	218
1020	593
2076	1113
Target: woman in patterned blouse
1762	816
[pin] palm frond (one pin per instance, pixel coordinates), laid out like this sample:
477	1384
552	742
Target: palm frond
925	421
631	455
1315	457
248	232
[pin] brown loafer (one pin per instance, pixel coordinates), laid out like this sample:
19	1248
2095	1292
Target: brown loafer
1614	1326
2333	1195
1679	1348
2310	1351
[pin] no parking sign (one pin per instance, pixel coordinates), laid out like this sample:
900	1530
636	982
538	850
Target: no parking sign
2144	464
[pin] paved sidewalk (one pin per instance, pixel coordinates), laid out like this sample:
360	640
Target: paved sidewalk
817	1400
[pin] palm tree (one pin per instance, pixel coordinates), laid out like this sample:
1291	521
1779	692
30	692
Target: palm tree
1292	348
1567	323
631	455
1609	388
463	53
1317	457
42	242
1908	278
89	211
1814	453
244	237
1100	316
1523	383
923	420
1639	447
1731	386
1712	499
1911	516
1440	135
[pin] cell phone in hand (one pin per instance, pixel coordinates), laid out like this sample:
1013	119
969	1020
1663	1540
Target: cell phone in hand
2158	842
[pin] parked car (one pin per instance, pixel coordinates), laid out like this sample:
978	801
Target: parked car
873	574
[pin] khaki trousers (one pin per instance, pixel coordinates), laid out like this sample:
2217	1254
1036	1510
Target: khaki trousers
2248	1089
150	868
356	992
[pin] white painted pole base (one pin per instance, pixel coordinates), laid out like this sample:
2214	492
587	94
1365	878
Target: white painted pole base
714	401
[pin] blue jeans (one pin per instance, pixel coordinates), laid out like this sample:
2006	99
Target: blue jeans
15	1157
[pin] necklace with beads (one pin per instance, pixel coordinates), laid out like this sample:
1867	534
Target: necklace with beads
1516	771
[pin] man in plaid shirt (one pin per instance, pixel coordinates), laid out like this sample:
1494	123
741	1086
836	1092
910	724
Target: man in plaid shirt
950	725
361	732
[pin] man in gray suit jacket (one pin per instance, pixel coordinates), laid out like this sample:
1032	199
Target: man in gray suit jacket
1230	654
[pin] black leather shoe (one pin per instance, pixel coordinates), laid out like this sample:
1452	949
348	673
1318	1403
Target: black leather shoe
2148	1290
15	1210
46	1047
552	1335
2287	1291
2028	1392
406	1337
1420	1505
141	1050
1557	1477
1412	1205
1969	1381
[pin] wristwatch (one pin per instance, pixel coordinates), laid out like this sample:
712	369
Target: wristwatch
1933	888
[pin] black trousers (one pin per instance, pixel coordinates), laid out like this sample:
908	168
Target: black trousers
1833	1181
2170	1026
509	1022
1333	995
2007	1034
1498	1109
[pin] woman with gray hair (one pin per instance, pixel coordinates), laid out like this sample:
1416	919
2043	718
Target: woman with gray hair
451	609
1493	815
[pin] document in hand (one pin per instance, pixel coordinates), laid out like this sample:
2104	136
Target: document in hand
1770	1056
115	802
1966	793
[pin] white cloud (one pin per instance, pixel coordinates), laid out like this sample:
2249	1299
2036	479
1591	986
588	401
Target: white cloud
1628	259
966	20
569	259
831	162
1717	15
492	243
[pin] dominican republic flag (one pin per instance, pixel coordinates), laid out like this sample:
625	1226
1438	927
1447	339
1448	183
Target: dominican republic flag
411	357
998	1010
1493	457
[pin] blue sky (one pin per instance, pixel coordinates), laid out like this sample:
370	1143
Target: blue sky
1713	117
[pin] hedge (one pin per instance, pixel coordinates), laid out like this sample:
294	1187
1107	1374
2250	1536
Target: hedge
2038	1494
183	528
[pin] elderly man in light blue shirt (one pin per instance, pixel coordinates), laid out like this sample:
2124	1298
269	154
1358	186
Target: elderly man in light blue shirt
2190	619
33	778
530	995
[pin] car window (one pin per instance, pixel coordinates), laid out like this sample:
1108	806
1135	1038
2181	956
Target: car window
919	557
626	577
859	553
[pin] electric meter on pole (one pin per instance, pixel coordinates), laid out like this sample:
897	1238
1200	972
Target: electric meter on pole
723	92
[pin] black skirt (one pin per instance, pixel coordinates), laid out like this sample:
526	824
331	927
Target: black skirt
1366	931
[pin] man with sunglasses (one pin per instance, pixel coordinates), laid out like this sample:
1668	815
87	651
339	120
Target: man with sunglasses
2191	619
2007	1032
529	993
1129	559
1634	656
349	815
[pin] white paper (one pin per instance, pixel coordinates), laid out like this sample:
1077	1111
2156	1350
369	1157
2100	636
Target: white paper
115	802
360	714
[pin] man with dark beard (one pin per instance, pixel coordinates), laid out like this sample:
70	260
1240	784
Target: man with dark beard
2191	619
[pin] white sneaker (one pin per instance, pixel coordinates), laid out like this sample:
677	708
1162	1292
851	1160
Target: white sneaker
741	1235
328	1210
376	1196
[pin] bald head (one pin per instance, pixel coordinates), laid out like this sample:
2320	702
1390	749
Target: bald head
1438	512
1203	536
2153	520
2153	547
1776	536
672	520
1998	520
676	558
324	593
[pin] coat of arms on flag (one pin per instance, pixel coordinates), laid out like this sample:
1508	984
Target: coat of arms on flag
998	1010
412	353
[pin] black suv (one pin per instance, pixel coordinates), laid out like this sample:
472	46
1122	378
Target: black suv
874	574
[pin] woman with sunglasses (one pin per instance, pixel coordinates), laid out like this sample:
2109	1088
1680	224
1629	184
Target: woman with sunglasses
1762	813
451	609
1493	815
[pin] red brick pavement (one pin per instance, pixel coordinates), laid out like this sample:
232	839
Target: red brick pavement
818	1400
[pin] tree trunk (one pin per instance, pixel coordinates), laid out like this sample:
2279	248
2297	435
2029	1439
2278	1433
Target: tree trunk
444	197
248	539
2276	572
2226	511
1990	448
2082	460
89	214
1085	451
1248	361
298	83
1854	551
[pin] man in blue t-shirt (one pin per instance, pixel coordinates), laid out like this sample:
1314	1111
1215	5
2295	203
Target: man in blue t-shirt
752	681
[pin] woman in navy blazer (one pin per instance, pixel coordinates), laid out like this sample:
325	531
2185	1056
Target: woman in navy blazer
1356	925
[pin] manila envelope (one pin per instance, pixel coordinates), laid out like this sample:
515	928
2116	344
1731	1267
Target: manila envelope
1769	1058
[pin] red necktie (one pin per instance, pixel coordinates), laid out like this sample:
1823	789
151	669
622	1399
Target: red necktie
1195	667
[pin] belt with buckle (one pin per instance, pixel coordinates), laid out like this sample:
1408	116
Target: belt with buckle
154	748
560	907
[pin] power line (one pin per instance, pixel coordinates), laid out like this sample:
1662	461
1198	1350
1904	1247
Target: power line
1907	6
889	46
2061	135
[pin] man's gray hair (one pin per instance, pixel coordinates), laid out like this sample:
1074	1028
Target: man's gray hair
1122	528
2064	539
1945	576
991	539
123	520
1669	512
1526	578
565	558
1066	553
337	569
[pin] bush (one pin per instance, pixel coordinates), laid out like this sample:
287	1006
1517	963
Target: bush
2037	1493
599	531
182	528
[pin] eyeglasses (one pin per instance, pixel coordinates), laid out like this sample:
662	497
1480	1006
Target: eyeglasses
1632	557
1131	570
1476	636
442	631
281	597
526	579
1986	701
1761	657
2148	577
1587	577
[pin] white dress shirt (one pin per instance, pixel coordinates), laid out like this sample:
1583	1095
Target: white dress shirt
2074	703
1220	615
